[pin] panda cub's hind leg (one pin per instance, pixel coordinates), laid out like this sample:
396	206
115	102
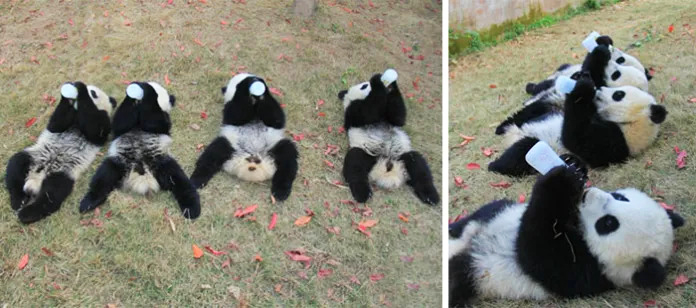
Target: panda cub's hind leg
170	177
16	176
420	177
211	161
108	177
356	170
512	162
55	188
285	155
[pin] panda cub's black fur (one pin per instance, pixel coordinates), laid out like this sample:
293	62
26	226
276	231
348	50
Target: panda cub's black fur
566	242
602	126
42	176
252	143
608	66
138	158
380	151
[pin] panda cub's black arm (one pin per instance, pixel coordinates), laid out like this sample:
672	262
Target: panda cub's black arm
370	110
63	117
239	110
94	124
125	117
269	112
596	63
554	199
396	108
579	104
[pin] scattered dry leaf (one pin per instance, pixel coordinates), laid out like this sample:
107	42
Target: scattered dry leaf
197	252
23	262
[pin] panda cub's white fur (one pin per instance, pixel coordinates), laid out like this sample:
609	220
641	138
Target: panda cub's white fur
251	142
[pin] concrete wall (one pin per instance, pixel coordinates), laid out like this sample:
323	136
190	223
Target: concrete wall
481	14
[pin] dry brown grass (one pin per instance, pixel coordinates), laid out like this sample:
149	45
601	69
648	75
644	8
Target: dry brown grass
134	259
475	109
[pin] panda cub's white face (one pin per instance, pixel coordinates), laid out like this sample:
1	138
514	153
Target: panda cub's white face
163	99
624	104
622	58
622	75
623	228
100	99
356	92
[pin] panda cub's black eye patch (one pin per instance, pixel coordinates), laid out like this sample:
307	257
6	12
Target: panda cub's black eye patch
363	87
607	224
619	197
620	60
618	95
94	94
615	75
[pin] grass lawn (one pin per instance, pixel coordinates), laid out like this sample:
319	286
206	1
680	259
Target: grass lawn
486	87
127	254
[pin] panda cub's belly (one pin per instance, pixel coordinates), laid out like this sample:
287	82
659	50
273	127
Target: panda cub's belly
387	143
496	271
251	160
68	152
547	129
137	151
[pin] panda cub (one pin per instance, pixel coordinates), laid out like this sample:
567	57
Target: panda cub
566	242
252	143
380	151
607	65
602	126
41	177
138	158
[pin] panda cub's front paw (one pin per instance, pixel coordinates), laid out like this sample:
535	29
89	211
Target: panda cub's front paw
428	194
361	191
576	163
562	179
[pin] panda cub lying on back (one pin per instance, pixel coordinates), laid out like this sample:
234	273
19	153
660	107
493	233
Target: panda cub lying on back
41	177
138	158
602	126
252	143
566	242
608	66
380	151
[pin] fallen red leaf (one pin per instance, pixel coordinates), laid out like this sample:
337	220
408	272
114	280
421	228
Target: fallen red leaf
213	251
197	252
670	28
650	303
246	211
226	263
693	100
473	166
681	159
23	262
667	206
108	214
680	280
501	184
487	152
334	230
324	272
522	198
298	256
274	219
376	277
404	231
363	230
258	258
276	92
492	86
368	223
459	182
47	251
223	22
303	220
204	115
298	137
166	79
354	279
403	217
30	122
329	164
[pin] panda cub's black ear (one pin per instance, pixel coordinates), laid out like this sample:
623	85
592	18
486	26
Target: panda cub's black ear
650	275
172	100
224	89
658	113
112	101
676	219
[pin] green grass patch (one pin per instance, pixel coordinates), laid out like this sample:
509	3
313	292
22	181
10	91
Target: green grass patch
470	41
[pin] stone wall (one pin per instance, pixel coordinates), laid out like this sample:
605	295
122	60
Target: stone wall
481	14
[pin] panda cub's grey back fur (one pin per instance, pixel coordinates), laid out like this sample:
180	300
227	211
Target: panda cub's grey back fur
380	140
135	149
67	152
